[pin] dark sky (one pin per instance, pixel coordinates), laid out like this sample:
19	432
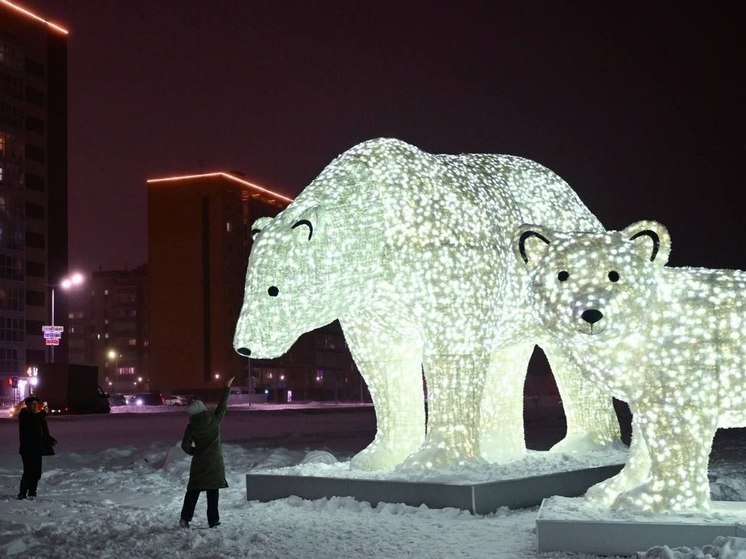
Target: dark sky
638	105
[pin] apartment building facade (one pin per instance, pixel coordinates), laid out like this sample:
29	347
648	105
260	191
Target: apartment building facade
33	185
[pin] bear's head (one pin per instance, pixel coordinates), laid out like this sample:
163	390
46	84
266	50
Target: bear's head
593	283
284	294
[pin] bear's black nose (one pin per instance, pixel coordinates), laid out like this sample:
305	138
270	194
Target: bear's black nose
245	351
591	316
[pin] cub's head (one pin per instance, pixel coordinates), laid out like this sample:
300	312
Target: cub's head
285	295
593	283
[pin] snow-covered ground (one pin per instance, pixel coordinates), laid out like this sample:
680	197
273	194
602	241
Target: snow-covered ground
116	485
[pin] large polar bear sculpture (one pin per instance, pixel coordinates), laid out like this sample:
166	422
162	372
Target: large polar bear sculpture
412	253
669	341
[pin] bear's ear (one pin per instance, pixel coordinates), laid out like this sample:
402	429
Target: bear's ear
651	239
259	225
530	242
309	224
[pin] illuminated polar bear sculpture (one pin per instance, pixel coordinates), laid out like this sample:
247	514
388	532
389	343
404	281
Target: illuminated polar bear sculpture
669	341
412	253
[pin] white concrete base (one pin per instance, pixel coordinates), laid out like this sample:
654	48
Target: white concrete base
577	526
479	498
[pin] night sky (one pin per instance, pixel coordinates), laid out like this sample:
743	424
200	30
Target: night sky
638	105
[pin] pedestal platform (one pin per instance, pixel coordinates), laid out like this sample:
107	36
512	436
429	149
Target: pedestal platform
523	483
577	526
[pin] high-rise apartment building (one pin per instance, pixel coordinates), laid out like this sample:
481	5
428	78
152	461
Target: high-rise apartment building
33	184
198	242
108	327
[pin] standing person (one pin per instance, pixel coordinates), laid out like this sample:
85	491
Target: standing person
207	471
36	442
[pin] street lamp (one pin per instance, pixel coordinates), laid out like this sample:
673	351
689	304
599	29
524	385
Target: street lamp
69	282
113	356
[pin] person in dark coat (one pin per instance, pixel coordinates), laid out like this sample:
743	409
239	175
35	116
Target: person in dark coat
207	471
36	442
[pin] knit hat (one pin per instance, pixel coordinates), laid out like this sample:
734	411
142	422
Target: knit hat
197	406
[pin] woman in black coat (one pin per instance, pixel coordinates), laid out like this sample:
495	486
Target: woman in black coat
207	471
36	442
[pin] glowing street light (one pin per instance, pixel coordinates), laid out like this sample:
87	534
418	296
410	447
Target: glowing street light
69	282
113	355
72	281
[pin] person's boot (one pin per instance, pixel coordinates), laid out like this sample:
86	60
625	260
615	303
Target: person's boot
183	523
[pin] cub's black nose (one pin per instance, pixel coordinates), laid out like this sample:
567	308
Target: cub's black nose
245	351
591	316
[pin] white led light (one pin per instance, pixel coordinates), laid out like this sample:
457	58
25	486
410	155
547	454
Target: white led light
668	341
412	253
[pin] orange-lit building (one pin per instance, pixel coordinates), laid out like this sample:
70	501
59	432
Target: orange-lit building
198	242
33	184
198	246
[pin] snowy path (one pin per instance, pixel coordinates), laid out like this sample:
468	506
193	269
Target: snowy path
114	491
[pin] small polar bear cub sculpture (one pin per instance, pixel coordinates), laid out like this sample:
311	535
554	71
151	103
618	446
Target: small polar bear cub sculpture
671	342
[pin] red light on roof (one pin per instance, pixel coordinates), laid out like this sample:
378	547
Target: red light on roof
221	174
33	16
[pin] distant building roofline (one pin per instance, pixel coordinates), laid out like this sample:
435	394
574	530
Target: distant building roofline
220	174
32	15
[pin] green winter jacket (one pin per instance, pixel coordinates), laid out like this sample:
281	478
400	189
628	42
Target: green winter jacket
202	441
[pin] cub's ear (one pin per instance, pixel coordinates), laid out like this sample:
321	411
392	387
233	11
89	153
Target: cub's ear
309	224
651	240
530	242
259	225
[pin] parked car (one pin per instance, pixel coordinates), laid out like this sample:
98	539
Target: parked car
15	409
117	400
147	399
178	399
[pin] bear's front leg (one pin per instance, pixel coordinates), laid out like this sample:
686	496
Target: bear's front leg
679	439
454	391
392	369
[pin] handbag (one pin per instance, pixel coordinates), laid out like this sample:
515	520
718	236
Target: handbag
47	445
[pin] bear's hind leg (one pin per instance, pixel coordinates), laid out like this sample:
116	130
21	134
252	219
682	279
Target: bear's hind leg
454	387
592	423
501	432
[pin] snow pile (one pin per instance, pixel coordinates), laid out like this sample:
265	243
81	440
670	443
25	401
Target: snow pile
722	548
536	462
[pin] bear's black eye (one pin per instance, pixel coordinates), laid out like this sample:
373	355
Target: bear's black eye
563	275
273	291
614	276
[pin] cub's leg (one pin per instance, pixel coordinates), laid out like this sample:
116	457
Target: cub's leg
679	438
635	471
501	433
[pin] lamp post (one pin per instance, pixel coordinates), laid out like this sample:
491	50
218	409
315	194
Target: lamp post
73	280
114	355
